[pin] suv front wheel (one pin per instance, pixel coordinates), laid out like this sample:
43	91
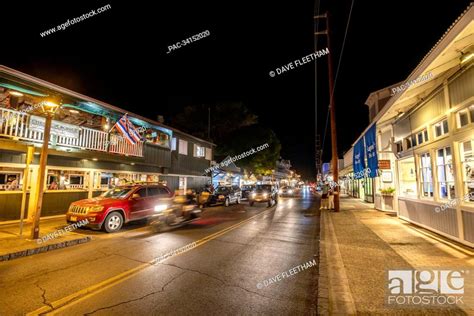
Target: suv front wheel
113	222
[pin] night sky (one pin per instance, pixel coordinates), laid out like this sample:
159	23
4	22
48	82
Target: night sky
120	57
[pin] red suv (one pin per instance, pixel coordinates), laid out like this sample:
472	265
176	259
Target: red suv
120	205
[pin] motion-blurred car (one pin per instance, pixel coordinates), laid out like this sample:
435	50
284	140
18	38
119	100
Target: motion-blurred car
119	205
288	191
264	193
225	195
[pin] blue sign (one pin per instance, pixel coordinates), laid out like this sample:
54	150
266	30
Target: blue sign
371	152
358	159
326	167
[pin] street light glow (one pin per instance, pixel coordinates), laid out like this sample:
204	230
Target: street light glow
49	107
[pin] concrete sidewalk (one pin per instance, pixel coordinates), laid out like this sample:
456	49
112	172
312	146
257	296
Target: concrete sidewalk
359	245
13	246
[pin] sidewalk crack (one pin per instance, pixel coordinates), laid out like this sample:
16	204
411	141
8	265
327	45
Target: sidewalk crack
43	295
138	298
116	254
216	278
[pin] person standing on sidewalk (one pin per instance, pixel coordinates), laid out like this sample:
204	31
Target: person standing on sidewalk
324	196
331	198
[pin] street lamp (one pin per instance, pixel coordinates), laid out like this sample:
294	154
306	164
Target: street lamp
48	108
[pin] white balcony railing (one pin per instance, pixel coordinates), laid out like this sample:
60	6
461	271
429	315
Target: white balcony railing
14	124
6	187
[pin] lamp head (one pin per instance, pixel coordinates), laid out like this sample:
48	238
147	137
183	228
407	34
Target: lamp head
50	106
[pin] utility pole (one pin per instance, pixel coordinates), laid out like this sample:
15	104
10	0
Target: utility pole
209	122
41	178
332	109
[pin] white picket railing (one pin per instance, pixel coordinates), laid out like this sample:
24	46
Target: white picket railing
14	124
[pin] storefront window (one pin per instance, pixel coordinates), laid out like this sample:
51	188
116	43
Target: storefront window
426	175
157	137
118	179
444	164
407	177
65	180
465	116
441	128
467	161
103	180
10	179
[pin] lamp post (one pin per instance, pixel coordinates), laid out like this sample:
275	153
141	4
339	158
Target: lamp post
48	108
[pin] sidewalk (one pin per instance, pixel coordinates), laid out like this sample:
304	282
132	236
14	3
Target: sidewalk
359	245
13	246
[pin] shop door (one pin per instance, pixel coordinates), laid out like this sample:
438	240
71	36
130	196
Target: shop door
369	190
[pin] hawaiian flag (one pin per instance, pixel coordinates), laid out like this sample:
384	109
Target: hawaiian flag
128	130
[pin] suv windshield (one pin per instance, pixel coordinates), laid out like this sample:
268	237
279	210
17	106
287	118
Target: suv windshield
264	187
116	193
222	189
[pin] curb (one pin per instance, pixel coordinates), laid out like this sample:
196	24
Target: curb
334	293
34	251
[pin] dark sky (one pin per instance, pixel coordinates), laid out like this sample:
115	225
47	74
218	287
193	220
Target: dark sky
120	57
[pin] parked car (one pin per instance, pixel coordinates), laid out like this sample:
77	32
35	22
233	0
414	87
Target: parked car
246	190
267	193
225	195
120	205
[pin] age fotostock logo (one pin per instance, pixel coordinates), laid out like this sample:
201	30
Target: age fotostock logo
426	287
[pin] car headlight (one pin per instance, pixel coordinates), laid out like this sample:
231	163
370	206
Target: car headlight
95	209
290	191
254	194
265	195
160	208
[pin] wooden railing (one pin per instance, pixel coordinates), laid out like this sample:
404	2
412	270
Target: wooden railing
14	124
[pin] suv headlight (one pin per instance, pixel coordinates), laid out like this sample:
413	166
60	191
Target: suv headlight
265	195
254	194
95	209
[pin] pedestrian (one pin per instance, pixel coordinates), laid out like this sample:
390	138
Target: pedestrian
53	185
324	196
12	184
331	198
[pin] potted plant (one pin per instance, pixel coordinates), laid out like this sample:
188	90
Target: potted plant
387	191
387	198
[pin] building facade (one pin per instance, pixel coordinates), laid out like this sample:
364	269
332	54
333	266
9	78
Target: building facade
87	156
425	138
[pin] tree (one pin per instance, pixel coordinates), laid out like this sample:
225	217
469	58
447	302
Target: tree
248	138
225	119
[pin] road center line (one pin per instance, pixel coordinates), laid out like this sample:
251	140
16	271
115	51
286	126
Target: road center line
83	294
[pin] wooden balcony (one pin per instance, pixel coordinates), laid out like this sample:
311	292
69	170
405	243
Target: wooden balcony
17	125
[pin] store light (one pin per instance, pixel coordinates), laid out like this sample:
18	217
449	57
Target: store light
95	159
74	111
16	93
466	57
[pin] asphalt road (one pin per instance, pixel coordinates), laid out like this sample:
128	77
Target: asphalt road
219	265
